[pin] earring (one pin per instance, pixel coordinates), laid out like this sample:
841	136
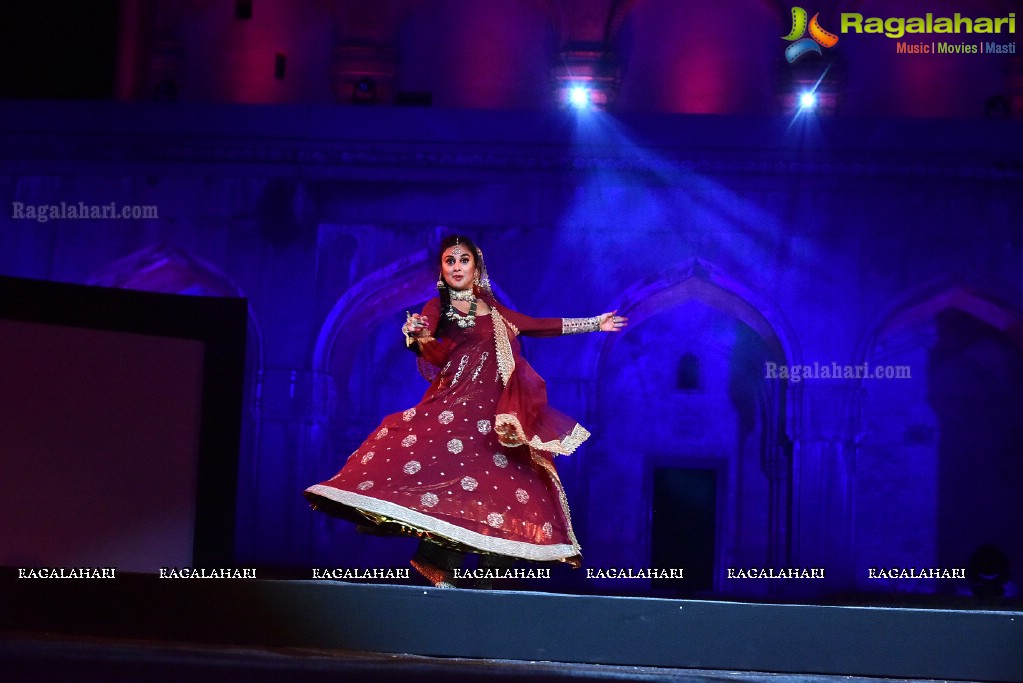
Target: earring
440	280
476	278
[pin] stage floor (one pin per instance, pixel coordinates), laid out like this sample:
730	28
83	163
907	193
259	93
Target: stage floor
32	658
136	621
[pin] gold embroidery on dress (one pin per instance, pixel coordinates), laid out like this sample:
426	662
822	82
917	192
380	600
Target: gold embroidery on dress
510	433
461	368
505	359
483	359
548	467
406	520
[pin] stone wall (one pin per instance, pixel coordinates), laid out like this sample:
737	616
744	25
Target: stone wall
741	242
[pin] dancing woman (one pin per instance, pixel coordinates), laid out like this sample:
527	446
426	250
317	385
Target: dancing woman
470	468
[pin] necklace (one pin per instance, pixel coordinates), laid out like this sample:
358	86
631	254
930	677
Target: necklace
462	294
464	321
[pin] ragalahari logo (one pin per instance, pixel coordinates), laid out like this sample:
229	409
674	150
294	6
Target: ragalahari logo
800	45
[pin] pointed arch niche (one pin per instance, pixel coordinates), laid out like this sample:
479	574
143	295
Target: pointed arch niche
940	462
172	270
692	429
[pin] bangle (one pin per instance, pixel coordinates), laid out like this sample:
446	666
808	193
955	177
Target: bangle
579	325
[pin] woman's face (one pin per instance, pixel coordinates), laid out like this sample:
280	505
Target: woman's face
459	267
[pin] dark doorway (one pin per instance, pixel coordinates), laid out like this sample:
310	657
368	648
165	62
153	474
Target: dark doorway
684	516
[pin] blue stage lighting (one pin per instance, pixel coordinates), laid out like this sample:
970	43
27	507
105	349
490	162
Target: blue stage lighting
807	100
579	97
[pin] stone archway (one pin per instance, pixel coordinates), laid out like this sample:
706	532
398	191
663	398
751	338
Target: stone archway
651	421
940	458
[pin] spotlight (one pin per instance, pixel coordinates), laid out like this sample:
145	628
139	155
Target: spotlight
811	85
579	97
585	79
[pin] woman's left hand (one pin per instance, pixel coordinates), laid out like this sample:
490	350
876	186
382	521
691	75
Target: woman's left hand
416	326
610	322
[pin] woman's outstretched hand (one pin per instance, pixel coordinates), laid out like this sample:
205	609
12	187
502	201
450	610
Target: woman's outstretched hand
610	322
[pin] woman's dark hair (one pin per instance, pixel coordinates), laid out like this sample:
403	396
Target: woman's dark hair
445	297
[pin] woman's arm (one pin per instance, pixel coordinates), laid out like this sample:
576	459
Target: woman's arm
529	326
552	327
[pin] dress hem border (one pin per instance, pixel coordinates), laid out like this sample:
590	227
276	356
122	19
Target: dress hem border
527	551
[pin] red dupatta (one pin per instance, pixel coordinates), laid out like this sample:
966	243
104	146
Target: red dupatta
524	418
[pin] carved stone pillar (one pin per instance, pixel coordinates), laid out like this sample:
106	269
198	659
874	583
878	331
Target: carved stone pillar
776	463
293	408
824	467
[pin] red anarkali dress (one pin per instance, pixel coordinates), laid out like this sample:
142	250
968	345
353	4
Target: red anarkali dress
470	465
